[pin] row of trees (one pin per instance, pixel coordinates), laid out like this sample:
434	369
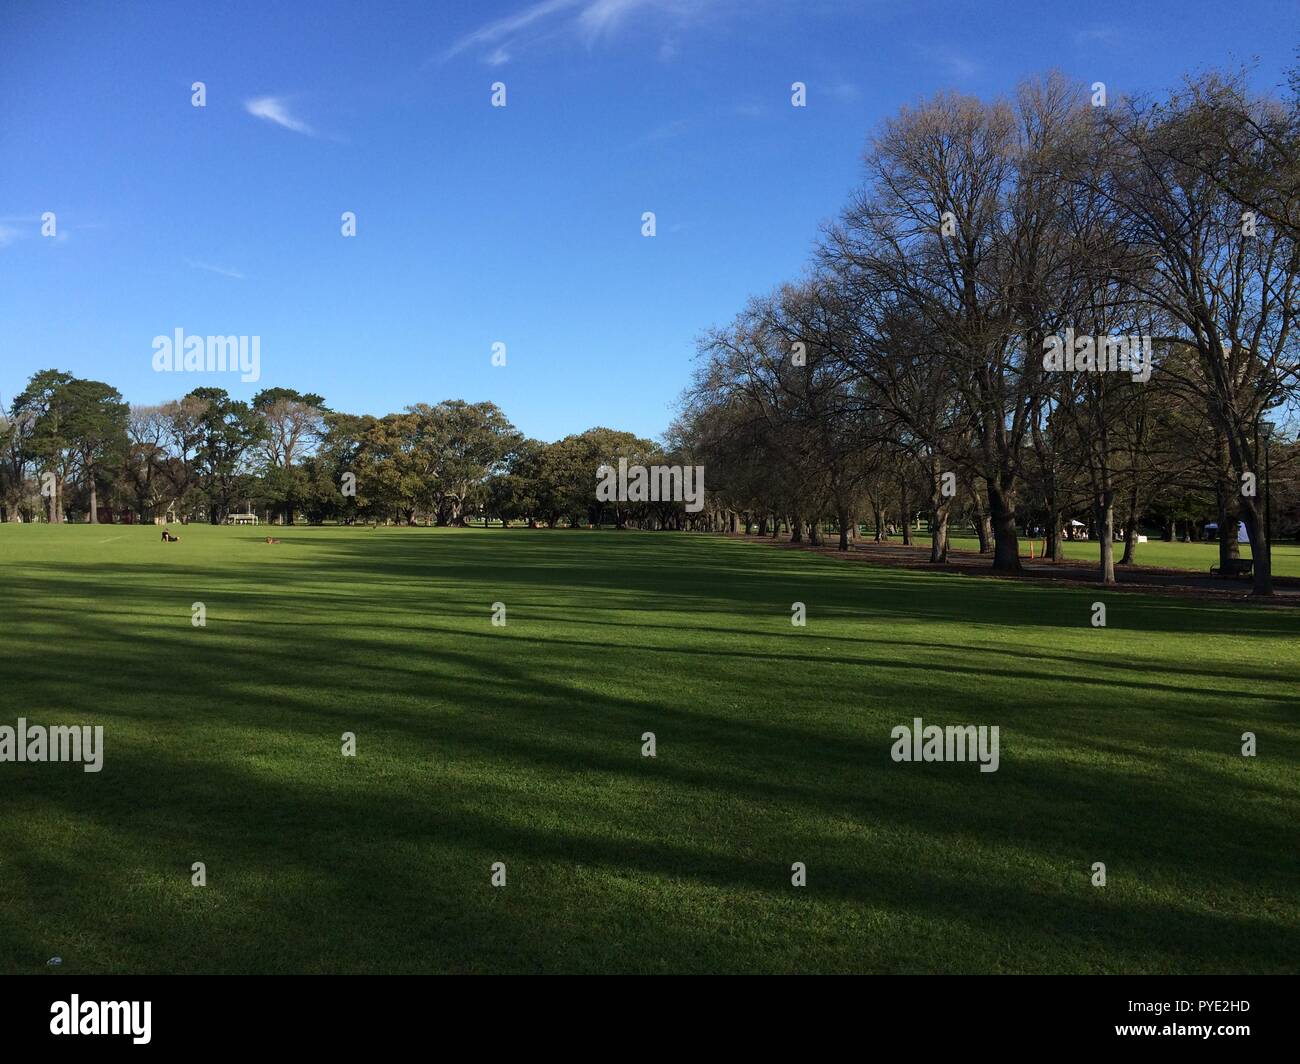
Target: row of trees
74	446
906	373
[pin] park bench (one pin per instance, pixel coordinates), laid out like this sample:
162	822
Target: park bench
1234	567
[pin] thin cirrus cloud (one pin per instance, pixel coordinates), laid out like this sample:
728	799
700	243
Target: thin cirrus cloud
275	109
1097	35
949	61
234	274
16	227
589	21
19	227
667	131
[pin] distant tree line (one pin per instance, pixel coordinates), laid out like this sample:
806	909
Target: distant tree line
75	447
904	373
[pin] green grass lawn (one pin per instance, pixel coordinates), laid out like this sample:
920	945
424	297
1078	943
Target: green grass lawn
522	744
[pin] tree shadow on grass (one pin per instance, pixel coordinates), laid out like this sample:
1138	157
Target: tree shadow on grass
297	866
481	747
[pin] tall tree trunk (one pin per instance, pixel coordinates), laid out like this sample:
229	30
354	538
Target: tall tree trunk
1006	543
1253	516
905	511
983	526
796	529
939	531
1052	527
1130	542
940	505
843	516
1104	518
1052	546
1228	548
1130	527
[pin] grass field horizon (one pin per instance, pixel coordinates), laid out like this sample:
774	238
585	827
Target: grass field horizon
522	744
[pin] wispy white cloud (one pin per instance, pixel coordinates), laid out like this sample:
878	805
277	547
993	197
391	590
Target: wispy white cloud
235	274
276	109
1096	35
600	18
21	226
493	33
667	131
949	61
589	21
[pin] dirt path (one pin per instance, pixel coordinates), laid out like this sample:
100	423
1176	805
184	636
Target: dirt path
1143	578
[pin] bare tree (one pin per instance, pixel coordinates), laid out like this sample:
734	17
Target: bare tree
1228	285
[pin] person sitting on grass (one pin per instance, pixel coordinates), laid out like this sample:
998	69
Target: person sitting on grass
167	536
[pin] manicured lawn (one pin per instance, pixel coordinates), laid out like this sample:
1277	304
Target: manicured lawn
522	744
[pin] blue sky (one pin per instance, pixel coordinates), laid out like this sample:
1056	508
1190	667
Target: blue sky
477	224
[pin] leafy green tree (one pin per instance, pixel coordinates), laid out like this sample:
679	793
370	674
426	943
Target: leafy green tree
96	426
339	456
518	491
292	424
43	405
227	430
570	467
457	446
15	428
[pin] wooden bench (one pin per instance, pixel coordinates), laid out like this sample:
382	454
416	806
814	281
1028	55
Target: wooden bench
1234	567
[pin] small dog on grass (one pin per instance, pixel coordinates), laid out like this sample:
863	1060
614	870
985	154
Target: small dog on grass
270	540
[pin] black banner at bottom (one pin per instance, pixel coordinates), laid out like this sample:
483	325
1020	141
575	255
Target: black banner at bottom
354	1012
